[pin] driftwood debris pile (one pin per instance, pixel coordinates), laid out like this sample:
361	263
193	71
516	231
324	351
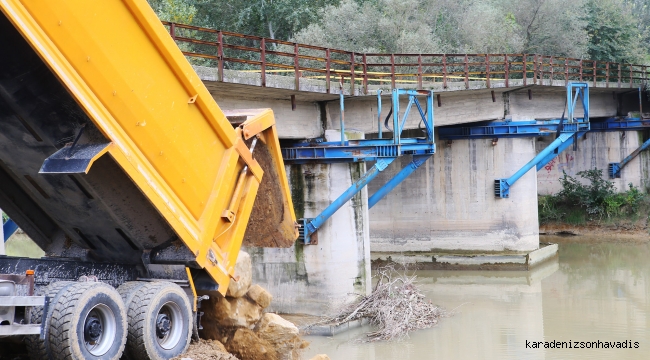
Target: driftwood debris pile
395	307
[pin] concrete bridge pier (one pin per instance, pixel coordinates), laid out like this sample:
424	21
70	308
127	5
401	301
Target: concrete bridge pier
448	205
309	279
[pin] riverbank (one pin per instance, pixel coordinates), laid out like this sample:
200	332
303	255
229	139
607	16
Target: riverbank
595	231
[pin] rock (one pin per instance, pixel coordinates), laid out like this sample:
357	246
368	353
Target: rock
260	296
282	334
246	345
222	312
320	357
244	273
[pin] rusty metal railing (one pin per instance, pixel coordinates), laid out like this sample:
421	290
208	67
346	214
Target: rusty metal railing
228	50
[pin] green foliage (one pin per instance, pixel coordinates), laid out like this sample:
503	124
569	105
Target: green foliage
613	33
590	197
548	209
180	11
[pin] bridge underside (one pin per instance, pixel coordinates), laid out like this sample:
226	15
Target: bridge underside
447	205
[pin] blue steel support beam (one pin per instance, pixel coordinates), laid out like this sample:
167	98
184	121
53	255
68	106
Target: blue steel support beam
9	228
502	186
560	149
614	169
311	225
418	160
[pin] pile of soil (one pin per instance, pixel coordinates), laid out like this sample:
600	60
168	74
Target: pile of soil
206	350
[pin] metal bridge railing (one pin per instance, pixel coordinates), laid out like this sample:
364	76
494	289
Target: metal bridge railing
228	50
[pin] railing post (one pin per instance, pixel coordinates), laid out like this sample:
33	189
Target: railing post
352	74
220	55
619	75
631	74
296	66
365	73
535	70
607	74
595	75
392	71
580	70
172	30
487	70
525	61
507	69
566	71
444	71
419	71
467	73
263	60
327	70
552	70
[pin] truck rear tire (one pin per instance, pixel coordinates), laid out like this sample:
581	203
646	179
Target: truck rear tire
37	348
160	322
88	322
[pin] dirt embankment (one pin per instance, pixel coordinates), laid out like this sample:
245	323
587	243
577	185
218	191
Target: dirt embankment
623	231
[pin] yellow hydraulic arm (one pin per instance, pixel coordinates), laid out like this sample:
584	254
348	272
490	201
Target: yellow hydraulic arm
165	129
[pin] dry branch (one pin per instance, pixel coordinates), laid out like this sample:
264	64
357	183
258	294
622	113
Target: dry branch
395	307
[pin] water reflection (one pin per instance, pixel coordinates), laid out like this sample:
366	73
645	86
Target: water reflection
594	291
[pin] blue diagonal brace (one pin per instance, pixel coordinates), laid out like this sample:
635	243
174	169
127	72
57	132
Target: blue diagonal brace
417	161
614	169
502	186
563	146
310	226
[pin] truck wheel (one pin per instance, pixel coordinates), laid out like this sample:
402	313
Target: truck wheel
160	322
88	322
128	289
38	349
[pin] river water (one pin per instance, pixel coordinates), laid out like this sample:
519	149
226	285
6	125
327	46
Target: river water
598	290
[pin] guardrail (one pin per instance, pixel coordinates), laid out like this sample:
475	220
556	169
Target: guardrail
228	50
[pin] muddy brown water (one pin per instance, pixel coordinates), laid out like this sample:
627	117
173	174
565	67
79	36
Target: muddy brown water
597	290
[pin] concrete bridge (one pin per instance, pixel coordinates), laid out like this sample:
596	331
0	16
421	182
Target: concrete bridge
447	209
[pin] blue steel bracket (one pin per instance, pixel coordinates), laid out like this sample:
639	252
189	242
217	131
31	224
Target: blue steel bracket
309	226
614	169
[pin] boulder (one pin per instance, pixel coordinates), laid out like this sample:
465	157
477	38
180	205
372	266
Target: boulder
243	274
228	312
246	345
260	296
282	334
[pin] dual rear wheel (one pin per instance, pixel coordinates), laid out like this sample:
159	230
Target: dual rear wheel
92	320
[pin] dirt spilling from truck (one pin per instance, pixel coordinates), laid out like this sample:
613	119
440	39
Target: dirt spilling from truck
270	223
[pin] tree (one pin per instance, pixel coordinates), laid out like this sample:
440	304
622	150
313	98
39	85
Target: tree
277	19
383	26
613	33
180	11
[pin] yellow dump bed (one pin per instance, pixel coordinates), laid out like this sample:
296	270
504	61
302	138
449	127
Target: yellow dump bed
155	119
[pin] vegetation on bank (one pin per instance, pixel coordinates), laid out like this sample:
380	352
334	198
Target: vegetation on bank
592	199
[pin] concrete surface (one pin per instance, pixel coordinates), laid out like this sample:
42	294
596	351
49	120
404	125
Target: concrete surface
449	202
597	150
309	279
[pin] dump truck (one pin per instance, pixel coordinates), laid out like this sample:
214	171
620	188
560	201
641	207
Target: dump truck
117	161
